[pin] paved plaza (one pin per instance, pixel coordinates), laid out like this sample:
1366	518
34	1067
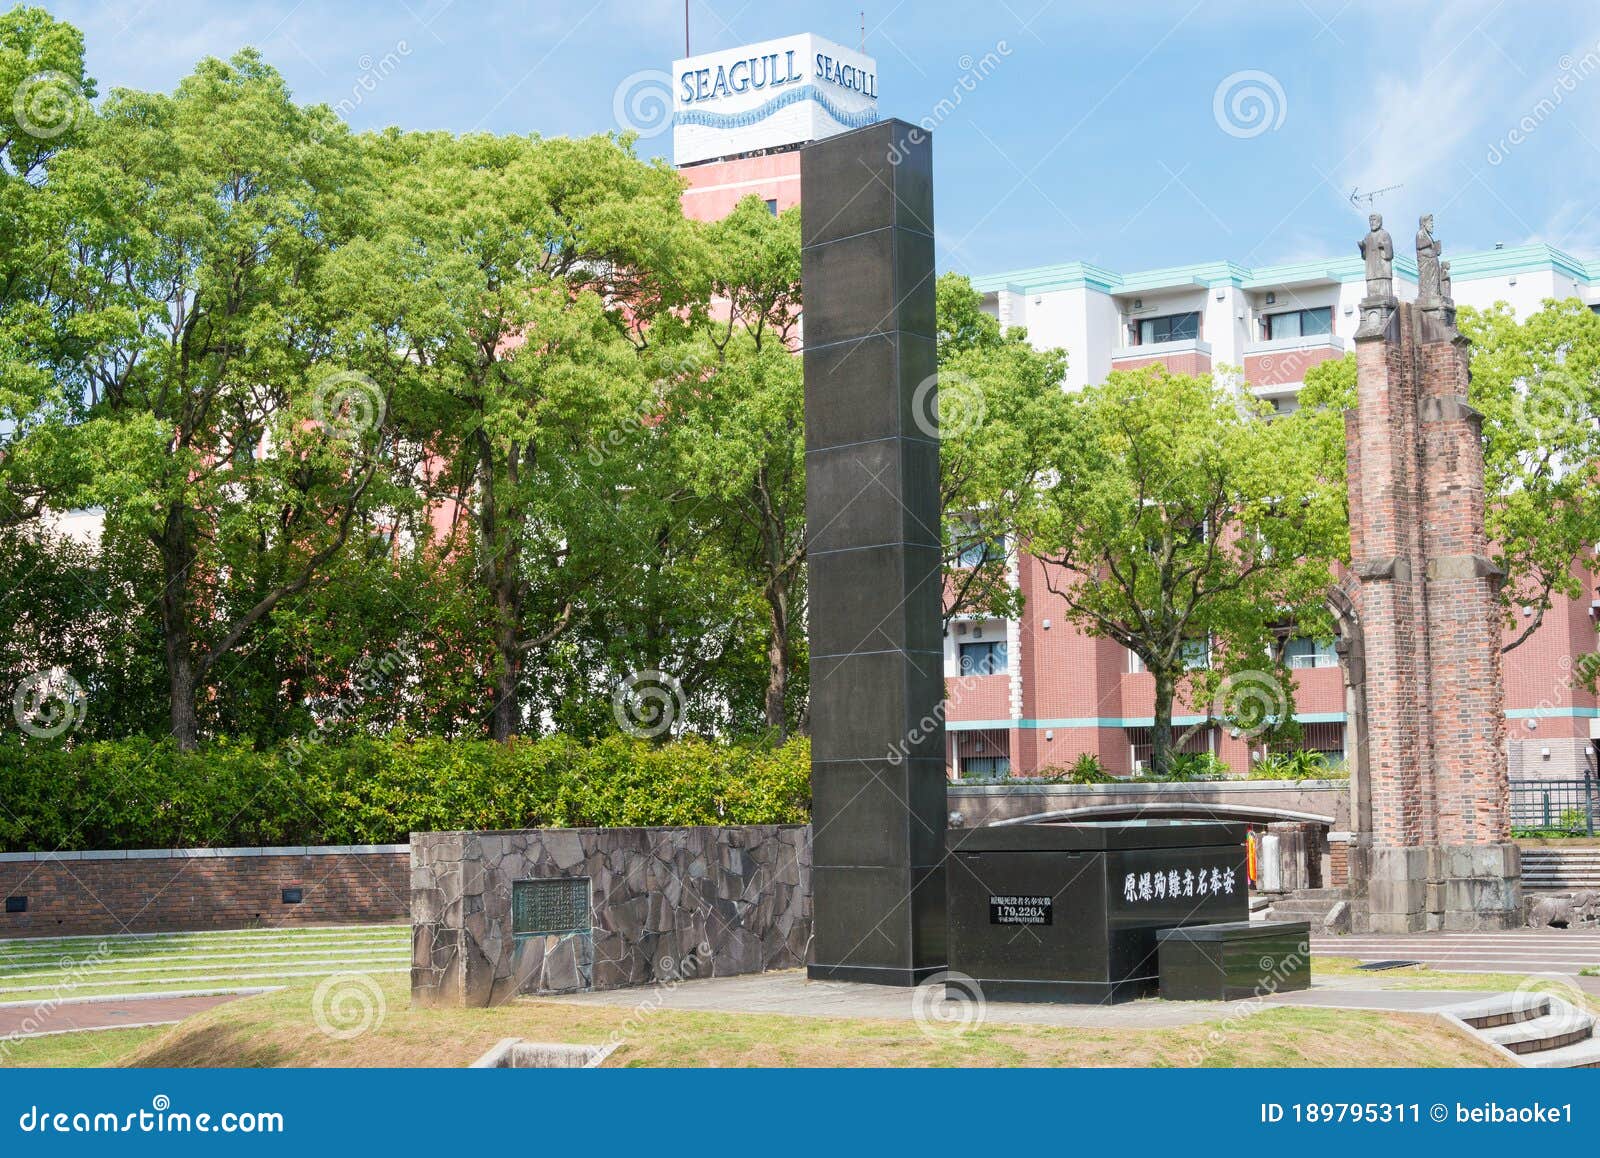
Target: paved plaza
1512	951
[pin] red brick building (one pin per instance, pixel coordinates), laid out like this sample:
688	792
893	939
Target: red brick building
1035	693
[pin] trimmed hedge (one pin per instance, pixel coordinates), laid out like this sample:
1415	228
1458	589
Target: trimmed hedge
146	794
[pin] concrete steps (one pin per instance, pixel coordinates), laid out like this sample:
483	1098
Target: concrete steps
1548	868
1541	1030
1312	905
1552	1031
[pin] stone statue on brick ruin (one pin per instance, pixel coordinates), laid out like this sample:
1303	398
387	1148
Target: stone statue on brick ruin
1431	792
1377	250
1430	286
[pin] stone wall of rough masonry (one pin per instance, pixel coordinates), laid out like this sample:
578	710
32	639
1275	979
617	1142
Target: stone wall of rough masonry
170	890
665	904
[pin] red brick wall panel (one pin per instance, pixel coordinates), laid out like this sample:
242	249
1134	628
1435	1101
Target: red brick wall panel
132	894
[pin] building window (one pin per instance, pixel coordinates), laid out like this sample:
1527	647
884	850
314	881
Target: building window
1299	323
1302	651
979	552
772	206
1325	738
1169	328
986	765
1141	741
980	752
986	657
1196	654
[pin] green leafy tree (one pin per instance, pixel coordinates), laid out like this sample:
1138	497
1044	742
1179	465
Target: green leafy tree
1182	521
196	350
735	421
516	280
44	104
1537	384
1002	414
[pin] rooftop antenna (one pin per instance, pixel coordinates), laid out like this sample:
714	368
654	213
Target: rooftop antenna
1357	197
686	27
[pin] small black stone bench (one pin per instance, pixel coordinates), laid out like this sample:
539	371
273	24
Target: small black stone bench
1234	960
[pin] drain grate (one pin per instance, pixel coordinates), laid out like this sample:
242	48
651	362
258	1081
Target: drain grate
1380	966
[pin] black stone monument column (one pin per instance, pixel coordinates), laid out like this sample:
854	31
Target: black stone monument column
872	476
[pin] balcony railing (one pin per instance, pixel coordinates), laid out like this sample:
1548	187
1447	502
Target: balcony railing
1288	345
1162	349
1541	807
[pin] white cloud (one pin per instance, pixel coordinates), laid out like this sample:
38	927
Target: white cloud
1428	112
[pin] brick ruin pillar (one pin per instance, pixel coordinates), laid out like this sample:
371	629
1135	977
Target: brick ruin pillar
1435	850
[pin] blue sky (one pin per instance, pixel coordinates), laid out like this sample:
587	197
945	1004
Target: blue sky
1101	133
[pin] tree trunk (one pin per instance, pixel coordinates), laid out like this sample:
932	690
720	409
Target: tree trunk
506	720
1161	727
778	662
176	559
500	572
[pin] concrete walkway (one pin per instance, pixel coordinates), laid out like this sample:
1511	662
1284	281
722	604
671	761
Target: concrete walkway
790	994
1515	951
117	1013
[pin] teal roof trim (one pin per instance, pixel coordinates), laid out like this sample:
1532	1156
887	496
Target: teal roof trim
1463	266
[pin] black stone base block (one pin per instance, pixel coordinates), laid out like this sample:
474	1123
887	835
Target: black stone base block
1068	992
873	975
1235	961
1070	912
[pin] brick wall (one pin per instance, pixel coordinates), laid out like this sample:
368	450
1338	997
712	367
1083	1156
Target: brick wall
1434	688
1283	367
1338	864
1189	362
192	889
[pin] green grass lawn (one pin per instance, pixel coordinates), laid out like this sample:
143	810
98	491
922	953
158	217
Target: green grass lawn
290	1027
284	1029
36	968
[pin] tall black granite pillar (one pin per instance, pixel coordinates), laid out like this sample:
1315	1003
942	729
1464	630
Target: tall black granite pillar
872	476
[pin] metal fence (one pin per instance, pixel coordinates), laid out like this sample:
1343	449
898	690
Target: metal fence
1569	806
